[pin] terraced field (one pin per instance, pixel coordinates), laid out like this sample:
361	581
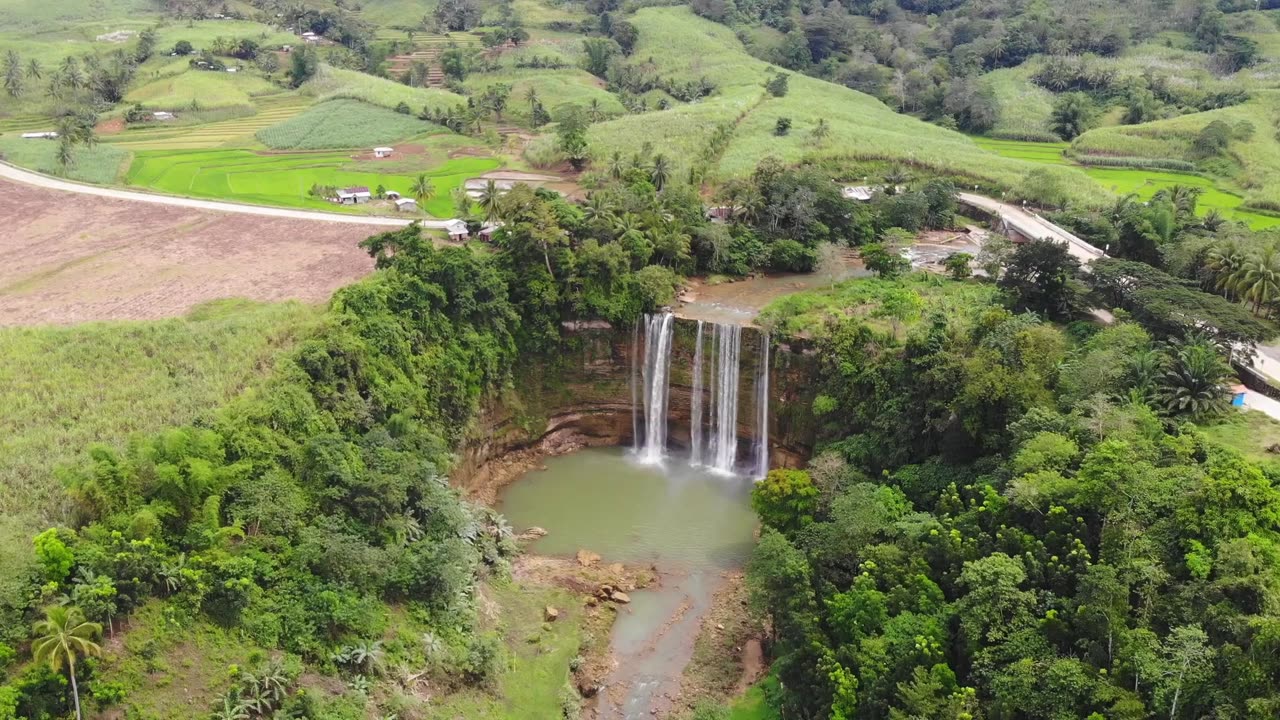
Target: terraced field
285	179
272	110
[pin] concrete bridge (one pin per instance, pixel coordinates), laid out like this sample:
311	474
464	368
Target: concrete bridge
1022	225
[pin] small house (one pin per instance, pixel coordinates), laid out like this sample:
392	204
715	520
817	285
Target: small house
392	195
406	205
310	37
354	195
382	152
719	213
162	115
457	230
486	231
48	135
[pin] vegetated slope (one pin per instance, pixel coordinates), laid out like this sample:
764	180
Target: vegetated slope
556	90
32	15
684	47
1251	157
332	83
343	124
55	400
1023	106
101	163
200	88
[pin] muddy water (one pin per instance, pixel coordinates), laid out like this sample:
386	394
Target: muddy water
739	302
692	524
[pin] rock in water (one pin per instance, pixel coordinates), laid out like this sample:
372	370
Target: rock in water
620	597
551	614
532	533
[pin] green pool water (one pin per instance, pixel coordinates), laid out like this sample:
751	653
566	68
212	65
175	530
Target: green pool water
601	500
693	525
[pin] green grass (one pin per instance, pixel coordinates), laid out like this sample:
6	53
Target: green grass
557	90
1143	182
55	399
686	47
237	131
806	313
335	83
540	655
343	124
1249	433
1254	163
752	706
1024	107
284	179
200	88
99	164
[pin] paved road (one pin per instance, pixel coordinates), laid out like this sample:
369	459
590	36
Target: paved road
16	174
1033	226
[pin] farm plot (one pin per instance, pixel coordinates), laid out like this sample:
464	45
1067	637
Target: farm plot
343	124
200	88
285	179
335	83
557	90
271	111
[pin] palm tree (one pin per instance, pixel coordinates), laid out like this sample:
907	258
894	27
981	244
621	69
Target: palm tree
462	202
1259	279
62	638
1194	381
594	111
422	189
1222	264
660	173
531	97
490	201
34	70
232	708
821	131
617	166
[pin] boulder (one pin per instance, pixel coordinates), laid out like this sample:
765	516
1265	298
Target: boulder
586	558
550	614
532	533
620	597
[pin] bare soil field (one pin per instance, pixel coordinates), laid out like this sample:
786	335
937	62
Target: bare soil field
68	258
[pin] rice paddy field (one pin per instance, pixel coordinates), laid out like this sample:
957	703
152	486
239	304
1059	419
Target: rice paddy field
344	124
1142	182
285	179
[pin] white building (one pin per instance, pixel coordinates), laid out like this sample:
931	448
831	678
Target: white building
406	204
48	135
382	152
861	193
354	195
162	115
457	230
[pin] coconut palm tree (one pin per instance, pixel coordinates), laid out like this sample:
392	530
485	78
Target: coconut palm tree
34	71
422	189
62	638
531	97
1223	265
660	173
490	201
595	112
617	166
1259	279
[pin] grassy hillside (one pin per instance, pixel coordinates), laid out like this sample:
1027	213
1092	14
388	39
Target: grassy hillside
683	47
200	89
99	164
556	89
343	124
335	83
1024	107
1253	155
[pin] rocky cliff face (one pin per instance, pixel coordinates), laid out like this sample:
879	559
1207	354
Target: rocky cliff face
582	397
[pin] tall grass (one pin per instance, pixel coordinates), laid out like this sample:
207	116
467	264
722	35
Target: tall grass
335	83
62	388
101	163
1024	107
343	124
200	89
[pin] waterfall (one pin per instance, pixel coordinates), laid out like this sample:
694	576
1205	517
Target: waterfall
762	410
724	398
695	420
655	382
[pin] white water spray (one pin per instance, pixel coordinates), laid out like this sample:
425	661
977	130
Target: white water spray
724	399
655	376
695	420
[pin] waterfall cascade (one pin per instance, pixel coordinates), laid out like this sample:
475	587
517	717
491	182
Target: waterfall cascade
762	411
651	444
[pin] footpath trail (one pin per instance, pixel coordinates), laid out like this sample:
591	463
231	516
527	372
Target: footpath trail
16	174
